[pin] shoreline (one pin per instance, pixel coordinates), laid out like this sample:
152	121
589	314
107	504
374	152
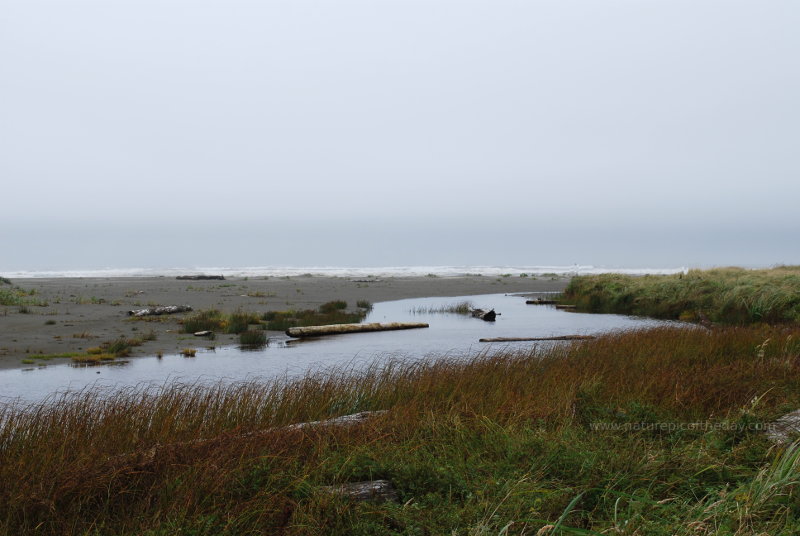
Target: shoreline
84	312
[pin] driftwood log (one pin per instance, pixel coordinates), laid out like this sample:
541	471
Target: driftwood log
163	310
371	490
488	316
785	429
539	301
201	277
565	307
141	459
337	329
558	338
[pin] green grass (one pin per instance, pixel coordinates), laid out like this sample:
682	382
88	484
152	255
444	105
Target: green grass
725	295
253	338
460	308
333	306
214	320
328	313
17	296
488	444
5	281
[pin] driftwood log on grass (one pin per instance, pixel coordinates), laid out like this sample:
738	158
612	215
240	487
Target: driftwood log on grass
557	338
371	490
138	460
337	329
163	310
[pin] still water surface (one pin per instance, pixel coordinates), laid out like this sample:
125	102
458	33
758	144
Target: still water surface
449	335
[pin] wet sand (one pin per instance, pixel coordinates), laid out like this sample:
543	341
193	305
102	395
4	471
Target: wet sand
84	312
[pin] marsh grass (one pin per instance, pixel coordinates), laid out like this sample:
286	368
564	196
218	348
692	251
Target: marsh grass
500	443
328	313
725	295
253	338
214	320
5	281
333	306
460	308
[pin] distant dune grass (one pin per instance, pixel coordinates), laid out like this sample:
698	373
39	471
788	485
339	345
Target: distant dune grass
643	432
19	296
726	295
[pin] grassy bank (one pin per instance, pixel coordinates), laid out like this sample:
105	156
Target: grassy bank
502	444
725	295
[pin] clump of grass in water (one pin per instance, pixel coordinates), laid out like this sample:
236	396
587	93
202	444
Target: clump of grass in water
253	338
364	304
460	308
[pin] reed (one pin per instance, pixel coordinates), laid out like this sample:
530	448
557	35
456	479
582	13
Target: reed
460	308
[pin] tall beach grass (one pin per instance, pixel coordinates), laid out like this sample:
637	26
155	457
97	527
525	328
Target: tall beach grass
593	436
725	295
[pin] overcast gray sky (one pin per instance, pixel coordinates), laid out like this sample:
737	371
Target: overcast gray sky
378	132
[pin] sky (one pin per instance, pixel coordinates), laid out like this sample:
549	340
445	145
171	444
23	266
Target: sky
398	132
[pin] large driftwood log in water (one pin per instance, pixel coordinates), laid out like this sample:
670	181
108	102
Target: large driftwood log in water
162	310
489	316
336	329
539	301
558	338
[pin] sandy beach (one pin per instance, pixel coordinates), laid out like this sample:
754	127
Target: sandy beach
83	312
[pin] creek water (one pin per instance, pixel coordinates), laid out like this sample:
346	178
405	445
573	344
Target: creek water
450	335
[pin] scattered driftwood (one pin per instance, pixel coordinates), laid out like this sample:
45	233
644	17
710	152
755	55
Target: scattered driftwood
371	490
204	333
488	316
558	338
565	307
365	280
785	429
539	301
201	277
163	310
336	329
